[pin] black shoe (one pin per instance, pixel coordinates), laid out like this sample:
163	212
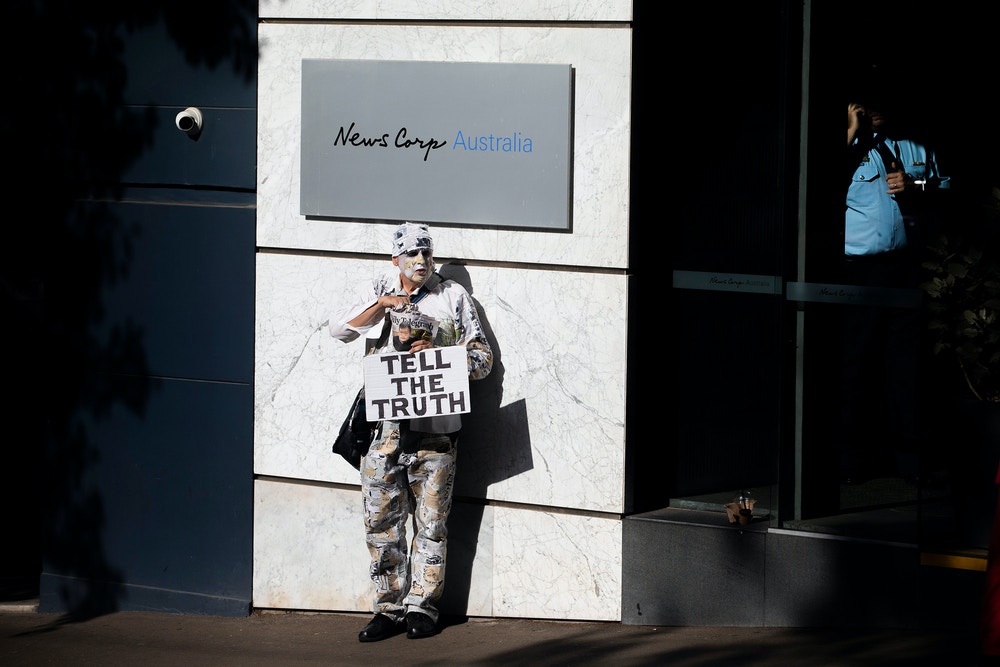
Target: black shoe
419	625
379	628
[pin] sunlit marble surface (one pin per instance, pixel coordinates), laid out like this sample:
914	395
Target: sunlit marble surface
601	58
309	548
534	532
310	554
548	417
556	566
466	10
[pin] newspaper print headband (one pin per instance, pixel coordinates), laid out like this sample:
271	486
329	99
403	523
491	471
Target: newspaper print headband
411	236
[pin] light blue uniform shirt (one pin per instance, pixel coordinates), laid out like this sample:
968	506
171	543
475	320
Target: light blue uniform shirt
873	222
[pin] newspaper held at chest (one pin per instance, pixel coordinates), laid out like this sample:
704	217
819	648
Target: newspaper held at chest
400	384
411	325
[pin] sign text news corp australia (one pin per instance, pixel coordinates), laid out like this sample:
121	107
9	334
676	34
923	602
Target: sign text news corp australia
467	143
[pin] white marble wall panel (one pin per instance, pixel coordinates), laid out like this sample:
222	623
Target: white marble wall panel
547	425
559	435
601	58
308	548
556	566
303	382
478	10
310	554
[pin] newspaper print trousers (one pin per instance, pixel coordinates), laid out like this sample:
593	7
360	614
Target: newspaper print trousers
395	485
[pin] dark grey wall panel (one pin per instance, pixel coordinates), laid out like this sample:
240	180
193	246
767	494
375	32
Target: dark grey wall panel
684	567
224	154
690	568
152	504
824	581
148	247
199	58
188	292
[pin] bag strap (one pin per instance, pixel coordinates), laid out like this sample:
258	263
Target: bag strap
430	284
384	336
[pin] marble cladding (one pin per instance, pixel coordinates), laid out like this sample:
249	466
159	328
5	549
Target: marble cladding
310	554
456	10
549	415
601	59
309	548
535	531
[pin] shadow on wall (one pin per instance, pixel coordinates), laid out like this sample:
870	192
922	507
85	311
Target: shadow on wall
495	445
70	140
495	441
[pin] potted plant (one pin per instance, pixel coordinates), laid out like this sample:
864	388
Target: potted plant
963	305
962	288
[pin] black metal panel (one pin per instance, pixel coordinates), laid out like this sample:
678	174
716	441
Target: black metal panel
149	306
187	292
197	58
149	507
223	155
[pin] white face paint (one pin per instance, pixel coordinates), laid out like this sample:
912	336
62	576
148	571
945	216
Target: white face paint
416	265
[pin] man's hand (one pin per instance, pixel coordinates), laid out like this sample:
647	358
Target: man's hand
392	301
898	181
855	114
421	344
855	121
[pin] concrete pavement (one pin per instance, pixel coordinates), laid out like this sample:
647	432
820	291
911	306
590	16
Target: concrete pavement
152	639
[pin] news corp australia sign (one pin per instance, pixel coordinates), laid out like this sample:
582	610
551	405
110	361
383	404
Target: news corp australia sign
467	143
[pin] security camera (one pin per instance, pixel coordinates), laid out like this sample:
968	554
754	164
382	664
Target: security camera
189	121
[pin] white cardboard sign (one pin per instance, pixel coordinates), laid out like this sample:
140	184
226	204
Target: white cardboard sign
408	385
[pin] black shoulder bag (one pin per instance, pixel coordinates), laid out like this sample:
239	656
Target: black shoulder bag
356	432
